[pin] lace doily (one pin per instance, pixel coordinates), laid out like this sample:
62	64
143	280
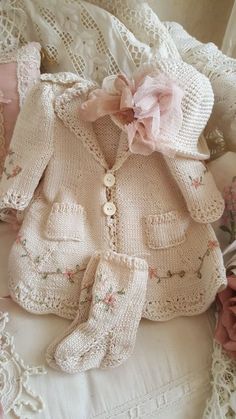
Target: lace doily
16	395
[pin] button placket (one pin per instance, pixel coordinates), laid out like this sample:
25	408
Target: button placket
109	207
109	180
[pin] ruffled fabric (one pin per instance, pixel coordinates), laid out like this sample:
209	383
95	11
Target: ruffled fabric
148	108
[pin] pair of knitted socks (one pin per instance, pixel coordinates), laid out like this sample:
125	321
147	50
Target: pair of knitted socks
103	333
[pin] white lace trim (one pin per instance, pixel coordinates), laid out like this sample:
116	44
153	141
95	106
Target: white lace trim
222	404
13	200
16	395
28	60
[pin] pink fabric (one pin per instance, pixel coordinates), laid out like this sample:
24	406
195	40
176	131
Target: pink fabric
148	108
8	86
226	327
1	412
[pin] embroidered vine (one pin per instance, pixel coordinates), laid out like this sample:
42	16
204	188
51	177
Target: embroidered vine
68	273
87	297
229	216
153	272
110	298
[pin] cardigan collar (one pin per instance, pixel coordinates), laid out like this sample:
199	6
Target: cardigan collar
66	108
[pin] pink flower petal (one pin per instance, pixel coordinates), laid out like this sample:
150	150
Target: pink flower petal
148	108
225	295
221	335
230	346
232	282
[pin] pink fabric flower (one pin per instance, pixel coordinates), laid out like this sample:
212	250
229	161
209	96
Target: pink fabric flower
147	107
225	333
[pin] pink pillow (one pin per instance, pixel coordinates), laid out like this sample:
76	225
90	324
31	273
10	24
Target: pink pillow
18	72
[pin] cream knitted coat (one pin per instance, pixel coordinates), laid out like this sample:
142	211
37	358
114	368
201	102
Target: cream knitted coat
96	195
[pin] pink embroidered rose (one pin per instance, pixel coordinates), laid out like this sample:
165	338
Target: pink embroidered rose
225	333
70	274
152	273
16	171
212	244
110	299
18	239
148	108
196	182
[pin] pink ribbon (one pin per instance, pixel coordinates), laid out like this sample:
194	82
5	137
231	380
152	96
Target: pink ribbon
148	108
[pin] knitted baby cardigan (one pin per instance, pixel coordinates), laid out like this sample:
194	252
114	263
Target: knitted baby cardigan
96	195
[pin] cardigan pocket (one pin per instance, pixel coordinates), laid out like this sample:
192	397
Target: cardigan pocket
66	222
166	230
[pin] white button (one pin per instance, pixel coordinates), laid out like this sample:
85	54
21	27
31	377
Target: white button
109	180
109	208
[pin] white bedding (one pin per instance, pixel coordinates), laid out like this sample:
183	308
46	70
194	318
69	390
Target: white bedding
167	377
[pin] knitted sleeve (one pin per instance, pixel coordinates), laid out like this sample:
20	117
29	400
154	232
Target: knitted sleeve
198	187
30	149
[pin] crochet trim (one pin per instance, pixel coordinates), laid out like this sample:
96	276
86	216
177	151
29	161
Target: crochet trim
222	403
14	375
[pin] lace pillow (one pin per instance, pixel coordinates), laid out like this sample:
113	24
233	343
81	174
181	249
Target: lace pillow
19	70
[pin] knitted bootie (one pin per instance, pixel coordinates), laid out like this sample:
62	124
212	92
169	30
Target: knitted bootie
118	297
83	311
